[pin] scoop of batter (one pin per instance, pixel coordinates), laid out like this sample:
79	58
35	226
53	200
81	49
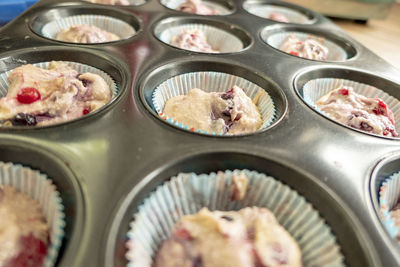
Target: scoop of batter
193	40
310	48
39	96
23	230
278	17
86	34
231	112
250	237
197	7
111	2
357	111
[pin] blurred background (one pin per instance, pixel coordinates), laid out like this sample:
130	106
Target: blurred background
374	23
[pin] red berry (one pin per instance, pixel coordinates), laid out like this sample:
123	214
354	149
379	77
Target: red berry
182	233
294	53
32	253
85	111
381	103
344	91
28	95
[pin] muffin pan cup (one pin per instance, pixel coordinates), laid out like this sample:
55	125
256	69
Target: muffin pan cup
120	155
109	24
37	186
188	193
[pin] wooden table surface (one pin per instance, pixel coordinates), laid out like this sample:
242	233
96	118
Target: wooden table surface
380	36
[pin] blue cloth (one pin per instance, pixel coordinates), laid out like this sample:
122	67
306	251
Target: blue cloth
9	9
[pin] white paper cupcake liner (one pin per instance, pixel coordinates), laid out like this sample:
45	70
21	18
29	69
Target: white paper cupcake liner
315	89
112	25
40	188
188	193
174	4
336	53
219	39
210	81
389	196
81	68
131	2
263	11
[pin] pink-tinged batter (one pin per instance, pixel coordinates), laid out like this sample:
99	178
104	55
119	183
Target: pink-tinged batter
111	2
86	34
23	230
193	40
250	237
231	112
197	7
278	17
39	96
357	111
310	48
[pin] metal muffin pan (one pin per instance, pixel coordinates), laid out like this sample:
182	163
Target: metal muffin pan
123	152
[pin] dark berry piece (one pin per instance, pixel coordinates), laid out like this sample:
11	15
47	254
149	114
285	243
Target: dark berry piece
227	95
198	262
24	119
28	95
226	217
227	112
366	127
85	111
85	82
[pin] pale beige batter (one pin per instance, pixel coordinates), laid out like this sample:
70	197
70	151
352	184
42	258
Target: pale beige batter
86	34
111	2
63	94
197	7
250	237
232	112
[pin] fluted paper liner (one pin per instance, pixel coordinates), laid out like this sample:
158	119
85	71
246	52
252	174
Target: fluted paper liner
211	82
40	188
389	196
188	193
110	24
335	52
218	39
174	4
315	89
264	10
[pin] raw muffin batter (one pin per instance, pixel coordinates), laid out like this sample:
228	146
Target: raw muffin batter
197	7
111	2
310	48
23	230
250	237
231	112
46	96
86	34
193	40
357	111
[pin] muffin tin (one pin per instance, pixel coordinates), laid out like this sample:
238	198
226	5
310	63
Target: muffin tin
105	164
